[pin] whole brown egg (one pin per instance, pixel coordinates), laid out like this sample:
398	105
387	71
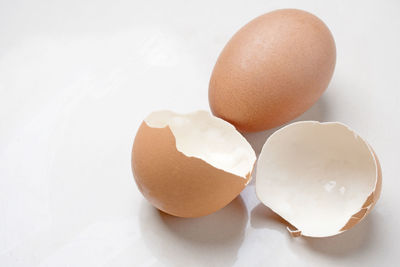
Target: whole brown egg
272	70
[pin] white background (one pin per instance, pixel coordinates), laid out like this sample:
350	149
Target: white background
78	77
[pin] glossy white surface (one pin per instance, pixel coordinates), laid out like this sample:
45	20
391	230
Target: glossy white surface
78	77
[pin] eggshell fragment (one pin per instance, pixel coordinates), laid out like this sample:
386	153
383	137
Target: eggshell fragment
322	178
190	165
272	70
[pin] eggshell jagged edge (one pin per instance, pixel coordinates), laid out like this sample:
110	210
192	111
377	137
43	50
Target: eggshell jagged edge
204	176
369	202
366	207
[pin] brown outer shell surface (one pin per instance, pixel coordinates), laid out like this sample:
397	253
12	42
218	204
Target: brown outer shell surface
272	70
176	184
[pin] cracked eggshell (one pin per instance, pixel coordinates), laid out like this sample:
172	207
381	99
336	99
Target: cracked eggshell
322	178
190	165
272	70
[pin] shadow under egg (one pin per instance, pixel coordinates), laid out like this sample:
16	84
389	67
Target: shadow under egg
347	243
263	217
355	240
212	240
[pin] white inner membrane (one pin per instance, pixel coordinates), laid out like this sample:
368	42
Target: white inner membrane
315	175
201	135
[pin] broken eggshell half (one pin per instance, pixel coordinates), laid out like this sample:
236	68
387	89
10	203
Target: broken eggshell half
190	165
322	178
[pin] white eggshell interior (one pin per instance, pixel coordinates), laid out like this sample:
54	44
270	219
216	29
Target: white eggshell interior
316	176
201	135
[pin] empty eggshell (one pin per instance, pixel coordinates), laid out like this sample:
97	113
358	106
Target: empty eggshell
190	165
272	70
322	178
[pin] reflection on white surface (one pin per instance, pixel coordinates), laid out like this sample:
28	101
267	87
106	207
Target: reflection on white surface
78	77
161	49
213	240
99	243
329	186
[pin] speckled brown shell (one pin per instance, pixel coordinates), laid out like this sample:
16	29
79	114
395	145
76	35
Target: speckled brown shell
272	70
176	184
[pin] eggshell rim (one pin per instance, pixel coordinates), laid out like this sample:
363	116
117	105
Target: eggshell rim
370	200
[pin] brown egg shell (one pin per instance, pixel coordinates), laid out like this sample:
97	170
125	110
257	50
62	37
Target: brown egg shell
360	168
371	200
176	184
272	70
366	208
364	211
